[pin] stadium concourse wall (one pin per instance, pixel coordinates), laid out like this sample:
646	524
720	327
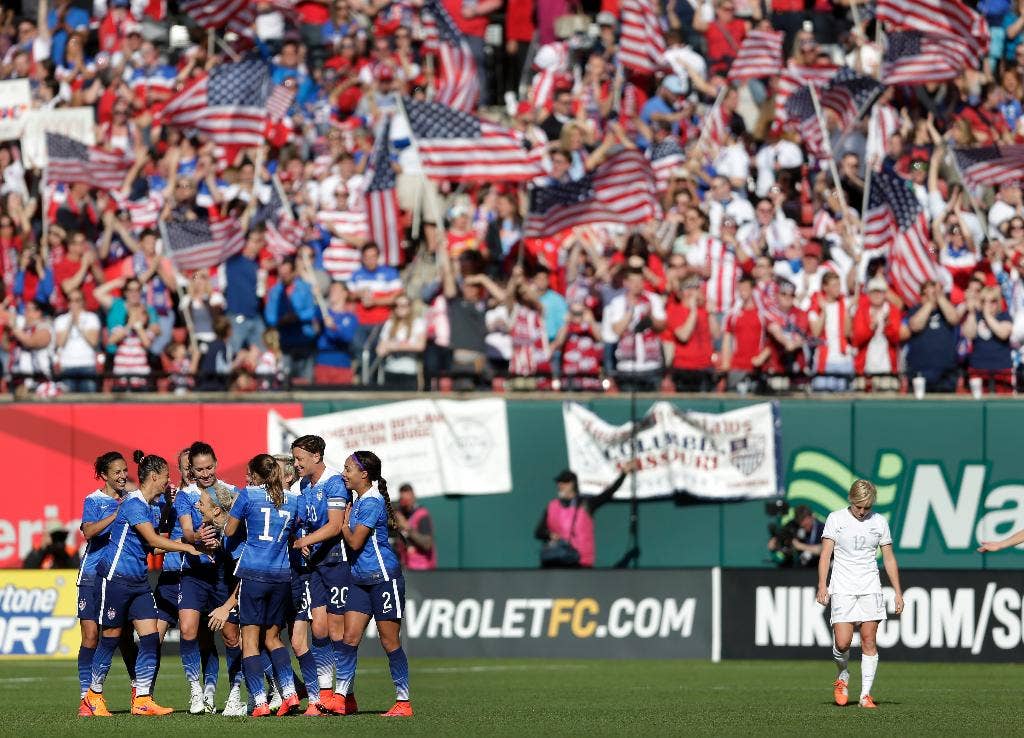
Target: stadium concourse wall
949	474
951	615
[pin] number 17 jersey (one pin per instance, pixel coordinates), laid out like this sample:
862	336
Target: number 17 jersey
268	532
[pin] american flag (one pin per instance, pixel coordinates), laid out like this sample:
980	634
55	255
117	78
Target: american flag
382	200
950	18
642	41
284	232
229	105
144	212
458	85
717	122
280	100
72	161
895	217
991	165
621	190
201	244
222	15
666	157
760	55
458	146
912	57
347	225
800	108
847	95
341	259
794	77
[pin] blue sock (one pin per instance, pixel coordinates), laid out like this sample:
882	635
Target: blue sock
254	679
307	665
234	659
283	669
345	661
145	667
190	658
129	653
324	656
211	668
399	665
101	661
268	669
85	667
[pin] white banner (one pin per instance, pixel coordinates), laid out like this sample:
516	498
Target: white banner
438	446
712	456
15	103
76	123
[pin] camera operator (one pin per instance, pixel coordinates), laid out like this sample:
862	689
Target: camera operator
53	552
798	542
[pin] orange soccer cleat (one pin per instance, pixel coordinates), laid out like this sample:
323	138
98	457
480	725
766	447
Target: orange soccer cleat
402	708
868	701
145	705
289	706
840	693
351	708
315	709
93	705
261	710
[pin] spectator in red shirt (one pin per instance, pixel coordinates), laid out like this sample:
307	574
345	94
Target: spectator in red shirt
744	348
876	331
724	36
519	30
471	17
79	269
691	332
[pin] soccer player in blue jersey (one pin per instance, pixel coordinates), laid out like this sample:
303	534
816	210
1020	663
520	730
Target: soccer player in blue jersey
325	497
168	586
270	517
98	513
378	587
124	589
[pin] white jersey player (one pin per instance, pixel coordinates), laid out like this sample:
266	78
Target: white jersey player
851	538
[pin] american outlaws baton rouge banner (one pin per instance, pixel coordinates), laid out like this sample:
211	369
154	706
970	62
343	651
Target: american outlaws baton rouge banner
711	456
437	446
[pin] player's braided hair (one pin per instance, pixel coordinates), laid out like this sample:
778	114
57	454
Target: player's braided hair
149	464
368	462
264	468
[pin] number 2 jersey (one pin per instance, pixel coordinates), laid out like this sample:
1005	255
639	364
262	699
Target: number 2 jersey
376	561
854	566
268	532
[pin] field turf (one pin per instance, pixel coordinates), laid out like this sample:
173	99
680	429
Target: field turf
577	698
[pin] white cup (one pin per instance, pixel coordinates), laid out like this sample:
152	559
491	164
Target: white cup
977	384
918	383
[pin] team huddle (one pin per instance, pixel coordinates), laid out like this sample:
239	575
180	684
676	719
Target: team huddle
302	547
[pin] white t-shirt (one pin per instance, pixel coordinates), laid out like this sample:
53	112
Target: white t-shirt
614	312
77	352
854	568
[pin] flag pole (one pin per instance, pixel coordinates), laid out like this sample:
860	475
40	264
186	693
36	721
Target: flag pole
178	278
45	201
828	149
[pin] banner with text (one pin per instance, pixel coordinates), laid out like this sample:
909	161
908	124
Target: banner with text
438	446
15	103
712	456
76	123
39	614
559	614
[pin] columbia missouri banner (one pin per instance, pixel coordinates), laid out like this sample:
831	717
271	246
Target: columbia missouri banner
559	614
38	614
437	446
711	456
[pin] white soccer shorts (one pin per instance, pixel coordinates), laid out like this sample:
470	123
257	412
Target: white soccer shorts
857	608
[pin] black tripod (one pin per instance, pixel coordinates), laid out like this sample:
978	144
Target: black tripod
632	556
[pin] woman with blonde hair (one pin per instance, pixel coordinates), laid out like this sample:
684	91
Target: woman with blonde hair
850	541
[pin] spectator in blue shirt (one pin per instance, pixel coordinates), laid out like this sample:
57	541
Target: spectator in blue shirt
334	346
63	20
662	107
291	308
241	277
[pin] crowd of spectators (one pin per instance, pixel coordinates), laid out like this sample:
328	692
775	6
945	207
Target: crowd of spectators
92	302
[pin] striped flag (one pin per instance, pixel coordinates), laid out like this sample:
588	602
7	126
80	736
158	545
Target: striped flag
641	41
621	190
236	16
145	212
347	225
896	218
458	146
847	95
201	244
665	158
229	105
716	122
341	259
951	18
991	165
382	199
458	85
794	77
912	57
281	99
284	236
69	160
760	55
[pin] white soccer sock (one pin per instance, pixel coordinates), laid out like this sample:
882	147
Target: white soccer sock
842	659
868	667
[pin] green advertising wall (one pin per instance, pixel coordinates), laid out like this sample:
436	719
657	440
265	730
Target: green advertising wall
949	472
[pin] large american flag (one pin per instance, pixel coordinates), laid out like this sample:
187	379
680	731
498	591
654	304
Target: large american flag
760	55
382	200
912	57
621	190
666	157
847	95
951	18
458	84
72	161
795	76
991	165
201	244
229	105
641	41
895	218
222	15
458	146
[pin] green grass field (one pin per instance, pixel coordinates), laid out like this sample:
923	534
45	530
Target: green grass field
638	698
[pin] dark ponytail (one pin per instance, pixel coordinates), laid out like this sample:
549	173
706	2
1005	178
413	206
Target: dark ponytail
368	462
104	461
265	468
151	464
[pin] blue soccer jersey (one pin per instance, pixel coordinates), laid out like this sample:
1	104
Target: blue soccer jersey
265	556
97	506
125	555
329	493
376	561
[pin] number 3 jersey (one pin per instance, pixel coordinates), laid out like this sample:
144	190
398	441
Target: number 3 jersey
268	529
854	566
